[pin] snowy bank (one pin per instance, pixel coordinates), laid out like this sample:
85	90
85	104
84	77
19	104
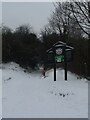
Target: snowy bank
28	95
0	91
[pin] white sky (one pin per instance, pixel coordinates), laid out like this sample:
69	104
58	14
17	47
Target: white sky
0	12
18	12
34	13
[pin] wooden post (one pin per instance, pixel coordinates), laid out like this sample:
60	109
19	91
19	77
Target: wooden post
54	54
65	62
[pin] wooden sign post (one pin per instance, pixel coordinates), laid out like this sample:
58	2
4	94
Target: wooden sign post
59	53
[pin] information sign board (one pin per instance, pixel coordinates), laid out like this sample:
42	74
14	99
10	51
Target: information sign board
59	58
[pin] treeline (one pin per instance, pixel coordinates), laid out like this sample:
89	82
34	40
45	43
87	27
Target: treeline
21	46
70	23
79	65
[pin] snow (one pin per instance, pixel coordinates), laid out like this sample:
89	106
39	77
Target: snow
0	92
29	95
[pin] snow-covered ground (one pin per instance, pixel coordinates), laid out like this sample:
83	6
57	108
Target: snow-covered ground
0	92
27	95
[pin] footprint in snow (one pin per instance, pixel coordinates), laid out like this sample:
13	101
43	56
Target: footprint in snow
62	94
8	79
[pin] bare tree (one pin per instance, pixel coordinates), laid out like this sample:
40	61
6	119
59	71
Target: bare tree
26	29
0	45
81	13
62	20
59	21
46	30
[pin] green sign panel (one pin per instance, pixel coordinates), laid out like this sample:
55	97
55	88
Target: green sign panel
59	58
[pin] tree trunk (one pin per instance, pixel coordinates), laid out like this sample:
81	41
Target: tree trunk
89	41
89	56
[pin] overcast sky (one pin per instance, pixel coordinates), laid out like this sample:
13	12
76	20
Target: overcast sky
36	14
